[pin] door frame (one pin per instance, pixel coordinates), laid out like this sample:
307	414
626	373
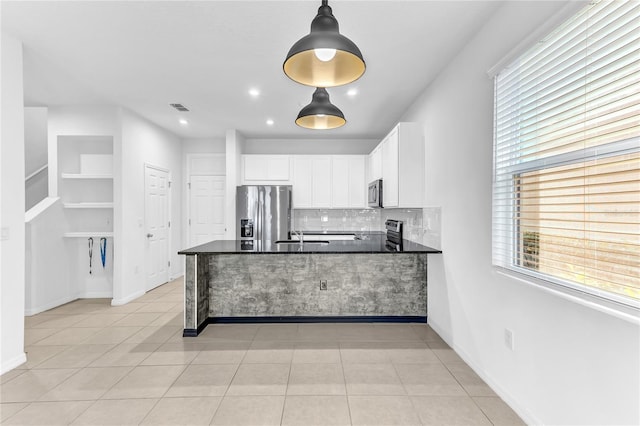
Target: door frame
187	187
169	218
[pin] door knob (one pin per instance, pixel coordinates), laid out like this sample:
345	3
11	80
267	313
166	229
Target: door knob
149	235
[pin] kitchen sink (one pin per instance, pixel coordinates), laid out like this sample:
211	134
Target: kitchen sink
303	243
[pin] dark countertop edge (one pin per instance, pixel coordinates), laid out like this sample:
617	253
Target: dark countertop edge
429	251
341	232
419	248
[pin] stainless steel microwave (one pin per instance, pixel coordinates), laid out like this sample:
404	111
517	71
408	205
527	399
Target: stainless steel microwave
374	195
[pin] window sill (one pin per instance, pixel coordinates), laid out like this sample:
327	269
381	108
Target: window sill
619	310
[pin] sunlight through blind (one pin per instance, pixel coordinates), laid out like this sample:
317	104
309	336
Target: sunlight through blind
566	189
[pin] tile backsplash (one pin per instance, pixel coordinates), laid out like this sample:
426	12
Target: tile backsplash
420	225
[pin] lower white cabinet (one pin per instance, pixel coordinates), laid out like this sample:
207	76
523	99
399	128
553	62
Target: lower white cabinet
323	181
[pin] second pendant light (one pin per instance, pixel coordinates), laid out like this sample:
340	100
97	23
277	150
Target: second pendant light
320	114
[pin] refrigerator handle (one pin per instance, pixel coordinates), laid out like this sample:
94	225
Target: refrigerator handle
260	214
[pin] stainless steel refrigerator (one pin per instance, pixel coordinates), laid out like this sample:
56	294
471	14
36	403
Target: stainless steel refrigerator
263	213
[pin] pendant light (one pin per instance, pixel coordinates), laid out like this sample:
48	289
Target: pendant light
320	114
324	58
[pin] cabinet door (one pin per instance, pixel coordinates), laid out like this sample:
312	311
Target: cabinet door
390	170
266	168
277	167
340	181
302	188
357	182
321	181
376	163
255	167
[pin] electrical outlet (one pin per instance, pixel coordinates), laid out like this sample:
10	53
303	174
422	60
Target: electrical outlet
323	284
508	339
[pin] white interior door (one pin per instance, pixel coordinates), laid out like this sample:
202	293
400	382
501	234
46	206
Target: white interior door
156	182
206	209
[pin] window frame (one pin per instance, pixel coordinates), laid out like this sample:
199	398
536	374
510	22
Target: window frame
505	227
627	146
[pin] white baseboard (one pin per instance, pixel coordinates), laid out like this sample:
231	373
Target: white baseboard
33	311
13	363
96	295
129	298
506	396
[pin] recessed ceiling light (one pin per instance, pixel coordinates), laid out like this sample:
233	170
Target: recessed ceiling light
254	92
352	92
270	122
183	122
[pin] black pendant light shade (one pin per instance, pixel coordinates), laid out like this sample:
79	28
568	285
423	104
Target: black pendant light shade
320	114
324	58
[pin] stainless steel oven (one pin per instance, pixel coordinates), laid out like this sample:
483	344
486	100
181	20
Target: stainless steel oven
374	194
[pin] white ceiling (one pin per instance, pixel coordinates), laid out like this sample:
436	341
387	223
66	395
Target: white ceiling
207	54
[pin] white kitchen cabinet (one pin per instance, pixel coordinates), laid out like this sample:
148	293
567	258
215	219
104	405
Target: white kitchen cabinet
266	168
311	181
390	169
348	181
375	164
302	186
402	163
323	181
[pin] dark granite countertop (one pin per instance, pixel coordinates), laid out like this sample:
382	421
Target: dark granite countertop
371	243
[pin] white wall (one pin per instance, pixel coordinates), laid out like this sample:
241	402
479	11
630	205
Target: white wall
142	142
50	261
35	148
203	146
309	146
234	149
572	364
12	246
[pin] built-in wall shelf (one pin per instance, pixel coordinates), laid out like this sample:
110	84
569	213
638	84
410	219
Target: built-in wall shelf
86	234
88	205
84	176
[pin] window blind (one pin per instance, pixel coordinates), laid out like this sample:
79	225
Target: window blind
566	184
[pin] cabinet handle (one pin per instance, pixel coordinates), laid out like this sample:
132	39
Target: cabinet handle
149	235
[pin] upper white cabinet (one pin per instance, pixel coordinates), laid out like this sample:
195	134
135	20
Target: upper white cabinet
311	181
390	169
402	158
266	168
323	181
375	164
348	181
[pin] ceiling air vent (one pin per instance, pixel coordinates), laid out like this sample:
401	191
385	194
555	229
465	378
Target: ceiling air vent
179	107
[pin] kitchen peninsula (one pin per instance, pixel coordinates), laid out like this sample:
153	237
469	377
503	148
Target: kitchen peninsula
253	281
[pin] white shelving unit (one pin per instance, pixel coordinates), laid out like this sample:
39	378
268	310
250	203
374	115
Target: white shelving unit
88	205
88	234
85	186
84	176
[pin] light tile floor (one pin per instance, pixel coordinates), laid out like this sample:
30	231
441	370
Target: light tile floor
90	363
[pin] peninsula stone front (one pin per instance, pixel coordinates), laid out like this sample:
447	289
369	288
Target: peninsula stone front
373	284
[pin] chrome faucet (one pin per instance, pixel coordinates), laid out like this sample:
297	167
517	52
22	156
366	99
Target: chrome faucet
300	235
